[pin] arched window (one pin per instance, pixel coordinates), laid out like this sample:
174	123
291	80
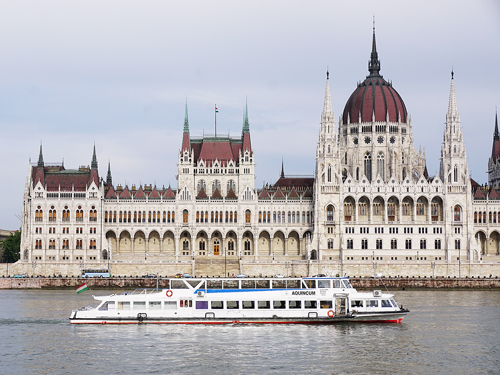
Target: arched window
420	207
457	212
201	185
329	213
247	216
231	185
52	214
93	214
348	209
381	165
377	207
406	207
329	174
39	214
79	214
330	243
215	186
201	245
185	216
230	245
362	209
105	254
368	166
435	211
66	214
92	244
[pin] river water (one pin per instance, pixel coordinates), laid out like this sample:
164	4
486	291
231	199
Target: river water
451	332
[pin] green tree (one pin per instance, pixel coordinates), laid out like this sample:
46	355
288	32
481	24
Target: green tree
11	247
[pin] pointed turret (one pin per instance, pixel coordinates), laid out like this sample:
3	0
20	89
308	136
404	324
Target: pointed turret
109	179
40	168
495	152
452	114
374	63
94	175
282	170
185	135
247	146
327	113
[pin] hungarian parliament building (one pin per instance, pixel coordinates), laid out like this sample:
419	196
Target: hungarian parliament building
370	199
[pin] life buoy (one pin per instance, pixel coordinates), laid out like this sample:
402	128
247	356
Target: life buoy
169	293
331	314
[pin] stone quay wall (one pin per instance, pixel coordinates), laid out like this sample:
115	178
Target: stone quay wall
396	283
207	268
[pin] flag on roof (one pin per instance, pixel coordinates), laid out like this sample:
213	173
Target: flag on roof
82	288
216	110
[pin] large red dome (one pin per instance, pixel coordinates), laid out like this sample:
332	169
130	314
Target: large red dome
374	96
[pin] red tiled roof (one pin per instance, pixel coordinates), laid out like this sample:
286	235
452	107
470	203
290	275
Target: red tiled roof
139	194
125	193
216	194
307	194
293	194
231	195
279	194
111	192
264	194
212	151
479	194
169	193
294	181
202	194
494	194
154	193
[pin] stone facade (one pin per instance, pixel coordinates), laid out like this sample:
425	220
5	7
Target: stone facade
370	207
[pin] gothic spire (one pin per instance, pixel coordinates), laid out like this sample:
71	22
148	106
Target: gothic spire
374	64
496	136
40	158
94	160
246	126
327	105
109	179
452	114
186	122
282	169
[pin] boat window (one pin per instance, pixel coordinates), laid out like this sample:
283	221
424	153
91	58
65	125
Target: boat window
247	284
139	305
194	284
310	284
347	284
178	284
263	284
170	305
123	305
233	304
214	284
230	284
279	304
323	283
356	303
104	306
338	284
293	284
217	304
263	305
310	304
166	284
248	304
386	303
394	303
372	303
186	303
201	305
294	304
325	304
154	305
279	284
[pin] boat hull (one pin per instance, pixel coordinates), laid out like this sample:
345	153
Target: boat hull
380	317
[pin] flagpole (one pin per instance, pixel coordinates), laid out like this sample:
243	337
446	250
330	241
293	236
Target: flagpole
216	121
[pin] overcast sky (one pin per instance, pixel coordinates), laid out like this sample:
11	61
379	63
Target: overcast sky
117	73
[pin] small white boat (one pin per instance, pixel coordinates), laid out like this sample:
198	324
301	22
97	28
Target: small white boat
308	300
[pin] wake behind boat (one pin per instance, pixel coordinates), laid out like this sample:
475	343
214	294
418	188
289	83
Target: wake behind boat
308	300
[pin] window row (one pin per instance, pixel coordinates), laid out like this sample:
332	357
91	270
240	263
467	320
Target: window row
216	217
394	244
290	217
65	244
139	217
480	217
66	214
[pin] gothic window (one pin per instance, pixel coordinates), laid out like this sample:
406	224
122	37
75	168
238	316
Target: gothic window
344	174
79	214
329	173
52	214
201	185
330	243
394	244
423	244
406	207
362	209
92	214
457	212
368	166
92	244
404	173
185	245
434	210
377	207
66	214
215	186
39	214
420	207
230	245
231	185
437	244
357	174
348	209
364	244
381	165
455	174
378	244
185	216
329	213
349	244
65	245
408	244
457	244
201	245
79	244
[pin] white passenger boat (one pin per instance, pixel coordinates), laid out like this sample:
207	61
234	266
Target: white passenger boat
308	300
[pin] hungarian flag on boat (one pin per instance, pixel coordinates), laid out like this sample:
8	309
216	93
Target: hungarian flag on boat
82	288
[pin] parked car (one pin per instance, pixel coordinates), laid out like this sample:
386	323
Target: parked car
187	275
150	276
19	275
177	275
241	275
320	275
279	276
